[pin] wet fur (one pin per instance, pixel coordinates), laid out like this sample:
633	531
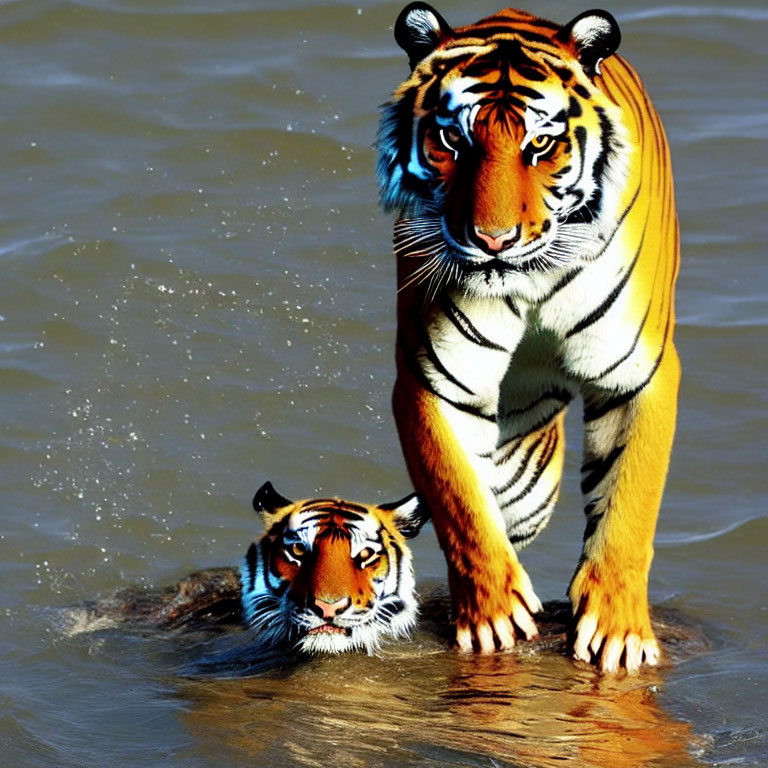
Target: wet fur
348	553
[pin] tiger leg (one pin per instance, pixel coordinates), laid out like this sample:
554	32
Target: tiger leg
491	593
627	450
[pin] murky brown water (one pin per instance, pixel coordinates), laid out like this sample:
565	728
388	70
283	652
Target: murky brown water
197	296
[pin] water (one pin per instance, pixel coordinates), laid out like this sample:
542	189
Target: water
197	296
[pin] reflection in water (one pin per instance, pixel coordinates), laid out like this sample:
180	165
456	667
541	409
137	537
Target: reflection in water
418	704
436	709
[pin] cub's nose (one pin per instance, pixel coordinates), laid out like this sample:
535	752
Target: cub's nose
329	609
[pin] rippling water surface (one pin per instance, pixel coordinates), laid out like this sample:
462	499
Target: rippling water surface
197	296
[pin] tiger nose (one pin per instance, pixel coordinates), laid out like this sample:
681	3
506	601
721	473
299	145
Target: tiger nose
327	609
497	243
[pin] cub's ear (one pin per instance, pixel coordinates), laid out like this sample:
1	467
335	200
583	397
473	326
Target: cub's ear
419	29
595	35
268	500
410	514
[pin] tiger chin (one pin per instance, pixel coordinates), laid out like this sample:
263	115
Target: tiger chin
537	253
330	576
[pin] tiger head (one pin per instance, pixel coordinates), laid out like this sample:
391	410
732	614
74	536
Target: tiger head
329	575
501	152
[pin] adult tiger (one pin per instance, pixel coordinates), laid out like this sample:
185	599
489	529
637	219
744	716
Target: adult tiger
537	252
330	575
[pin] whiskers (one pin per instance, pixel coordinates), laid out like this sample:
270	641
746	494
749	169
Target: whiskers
437	266
572	243
422	238
266	615
575	241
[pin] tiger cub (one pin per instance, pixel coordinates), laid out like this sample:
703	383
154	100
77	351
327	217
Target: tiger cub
330	575
537	253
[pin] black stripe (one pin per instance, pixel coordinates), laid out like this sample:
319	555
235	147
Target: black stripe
500	447
431	96
563	73
623	216
590	507
555	191
539	425
563	282
334	506
580	134
592	524
472	410
606	149
328	514
541	465
521	468
506	104
447	58
414	367
510	302
464	325
398	564
613	366
574	108
435	360
597	469
524	90
521	537
592	412
531	73
507	91
334	533
601	309
561	395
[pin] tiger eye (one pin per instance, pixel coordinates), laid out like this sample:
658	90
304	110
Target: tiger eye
297	549
541	141
453	135
367	558
451	138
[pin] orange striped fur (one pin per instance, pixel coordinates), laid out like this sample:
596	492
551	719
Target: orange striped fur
537	253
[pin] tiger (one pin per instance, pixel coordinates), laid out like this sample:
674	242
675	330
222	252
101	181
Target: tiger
328	575
537	251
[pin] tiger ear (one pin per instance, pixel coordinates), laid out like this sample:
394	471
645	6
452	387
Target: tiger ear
419	29
595	35
267	500
410	514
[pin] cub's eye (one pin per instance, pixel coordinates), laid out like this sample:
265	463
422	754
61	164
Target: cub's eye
296	550
367	557
452	138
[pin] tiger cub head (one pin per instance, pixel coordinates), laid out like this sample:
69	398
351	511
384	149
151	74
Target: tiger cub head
502	152
330	575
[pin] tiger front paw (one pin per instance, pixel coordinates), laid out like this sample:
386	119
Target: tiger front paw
612	622
492	607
